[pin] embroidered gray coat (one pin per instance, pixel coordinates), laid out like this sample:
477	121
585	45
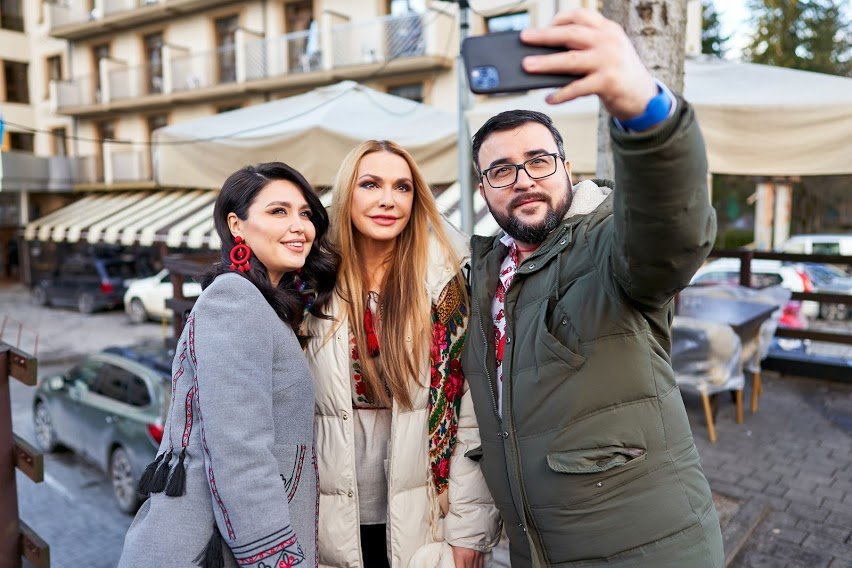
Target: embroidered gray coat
242	416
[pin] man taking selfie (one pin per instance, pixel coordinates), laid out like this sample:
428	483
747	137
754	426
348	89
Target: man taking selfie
586	445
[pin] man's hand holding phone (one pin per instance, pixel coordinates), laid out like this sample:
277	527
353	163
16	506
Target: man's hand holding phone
600	52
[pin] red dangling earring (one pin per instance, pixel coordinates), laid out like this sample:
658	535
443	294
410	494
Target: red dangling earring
240	255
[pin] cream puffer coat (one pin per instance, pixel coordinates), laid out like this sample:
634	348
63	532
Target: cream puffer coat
419	523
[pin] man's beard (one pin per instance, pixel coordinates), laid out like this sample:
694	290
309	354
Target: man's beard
528	233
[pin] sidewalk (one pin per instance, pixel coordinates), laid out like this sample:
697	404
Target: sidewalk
62	334
794	457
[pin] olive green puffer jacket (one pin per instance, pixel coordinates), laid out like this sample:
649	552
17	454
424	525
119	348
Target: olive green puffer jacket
593	462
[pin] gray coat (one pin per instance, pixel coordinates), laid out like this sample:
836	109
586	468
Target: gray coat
242	417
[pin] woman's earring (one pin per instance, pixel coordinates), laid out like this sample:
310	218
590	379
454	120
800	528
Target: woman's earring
240	255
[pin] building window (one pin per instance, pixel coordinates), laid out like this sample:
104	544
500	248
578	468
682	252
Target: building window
53	65
104	131
228	107
226	30
60	141
156	121
508	22
11	15
17	85
21	141
403	7
413	91
154	62
98	52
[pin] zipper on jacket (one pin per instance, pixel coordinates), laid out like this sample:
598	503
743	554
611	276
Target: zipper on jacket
485	368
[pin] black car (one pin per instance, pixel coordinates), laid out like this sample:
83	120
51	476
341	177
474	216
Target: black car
86	282
110	408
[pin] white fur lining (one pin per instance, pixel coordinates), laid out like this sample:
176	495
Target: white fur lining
587	197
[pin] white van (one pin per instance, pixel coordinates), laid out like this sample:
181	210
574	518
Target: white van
819	244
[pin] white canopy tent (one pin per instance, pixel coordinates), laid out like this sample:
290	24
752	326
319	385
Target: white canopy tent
756	119
312	132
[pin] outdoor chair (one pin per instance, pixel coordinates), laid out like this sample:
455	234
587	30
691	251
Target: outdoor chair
707	358
754	350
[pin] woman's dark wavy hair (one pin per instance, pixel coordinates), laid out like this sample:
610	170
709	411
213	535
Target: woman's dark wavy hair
317	276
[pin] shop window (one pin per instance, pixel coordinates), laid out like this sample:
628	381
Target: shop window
412	91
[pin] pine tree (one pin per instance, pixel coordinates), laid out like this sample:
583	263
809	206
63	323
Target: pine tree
813	35
712	40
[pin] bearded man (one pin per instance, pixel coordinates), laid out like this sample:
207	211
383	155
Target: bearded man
586	446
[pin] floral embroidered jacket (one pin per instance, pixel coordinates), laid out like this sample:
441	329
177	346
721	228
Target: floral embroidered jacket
237	459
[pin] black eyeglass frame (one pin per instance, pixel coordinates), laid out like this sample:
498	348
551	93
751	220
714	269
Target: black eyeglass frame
523	166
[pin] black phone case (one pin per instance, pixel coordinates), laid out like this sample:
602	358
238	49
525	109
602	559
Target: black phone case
502	52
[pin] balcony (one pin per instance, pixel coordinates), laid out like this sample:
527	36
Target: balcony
22	171
330	52
127	164
73	21
378	41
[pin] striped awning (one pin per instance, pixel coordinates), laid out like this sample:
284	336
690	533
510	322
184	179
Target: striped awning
177	218
449	203
182	219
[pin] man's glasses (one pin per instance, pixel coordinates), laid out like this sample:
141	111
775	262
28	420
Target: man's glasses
505	175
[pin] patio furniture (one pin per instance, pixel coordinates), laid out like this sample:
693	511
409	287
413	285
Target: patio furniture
707	358
755	325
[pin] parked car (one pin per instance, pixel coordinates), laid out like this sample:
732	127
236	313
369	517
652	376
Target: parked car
110	409
833	280
763	273
819	244
146	298
86	282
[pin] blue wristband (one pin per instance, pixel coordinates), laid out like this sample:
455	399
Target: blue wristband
656	111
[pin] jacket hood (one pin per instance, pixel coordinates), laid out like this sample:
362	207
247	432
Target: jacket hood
588	195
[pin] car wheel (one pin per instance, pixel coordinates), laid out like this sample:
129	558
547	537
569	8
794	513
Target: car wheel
86	303
40	296
137	311
123	481
45	435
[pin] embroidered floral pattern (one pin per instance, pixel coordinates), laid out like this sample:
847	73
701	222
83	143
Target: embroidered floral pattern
447	381
285	553
359	395
498	308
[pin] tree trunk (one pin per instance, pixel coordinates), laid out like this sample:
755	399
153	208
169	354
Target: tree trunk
657	29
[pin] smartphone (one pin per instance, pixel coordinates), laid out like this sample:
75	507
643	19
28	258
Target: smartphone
493	64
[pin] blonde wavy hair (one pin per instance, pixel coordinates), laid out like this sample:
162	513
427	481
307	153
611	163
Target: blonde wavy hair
404	328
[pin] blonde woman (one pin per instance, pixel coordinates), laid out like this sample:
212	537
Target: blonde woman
394	418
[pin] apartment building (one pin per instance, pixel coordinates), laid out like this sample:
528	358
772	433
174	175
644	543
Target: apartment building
104	74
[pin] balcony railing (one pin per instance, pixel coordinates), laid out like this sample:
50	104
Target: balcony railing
65	14
297	52
344	46
134	82
379	40
23	171
74	92
129	164
206	69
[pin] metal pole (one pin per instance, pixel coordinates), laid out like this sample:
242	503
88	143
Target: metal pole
465	190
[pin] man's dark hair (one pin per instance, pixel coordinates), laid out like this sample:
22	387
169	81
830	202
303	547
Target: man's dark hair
508	120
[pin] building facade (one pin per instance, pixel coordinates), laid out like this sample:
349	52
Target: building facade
92	79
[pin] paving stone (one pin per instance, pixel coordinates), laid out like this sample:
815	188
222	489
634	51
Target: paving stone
827	545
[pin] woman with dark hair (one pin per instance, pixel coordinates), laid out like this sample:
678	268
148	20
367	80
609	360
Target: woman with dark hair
234	482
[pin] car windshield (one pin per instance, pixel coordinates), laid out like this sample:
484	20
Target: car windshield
119	269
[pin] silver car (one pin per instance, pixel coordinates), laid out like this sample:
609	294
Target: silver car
110	409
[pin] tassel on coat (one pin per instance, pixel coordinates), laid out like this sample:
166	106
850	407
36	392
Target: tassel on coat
212	556
158	484
144	486
177	482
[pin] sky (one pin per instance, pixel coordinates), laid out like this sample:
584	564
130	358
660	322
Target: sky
733	15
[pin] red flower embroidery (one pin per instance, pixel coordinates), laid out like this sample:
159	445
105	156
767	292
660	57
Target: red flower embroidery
360	387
